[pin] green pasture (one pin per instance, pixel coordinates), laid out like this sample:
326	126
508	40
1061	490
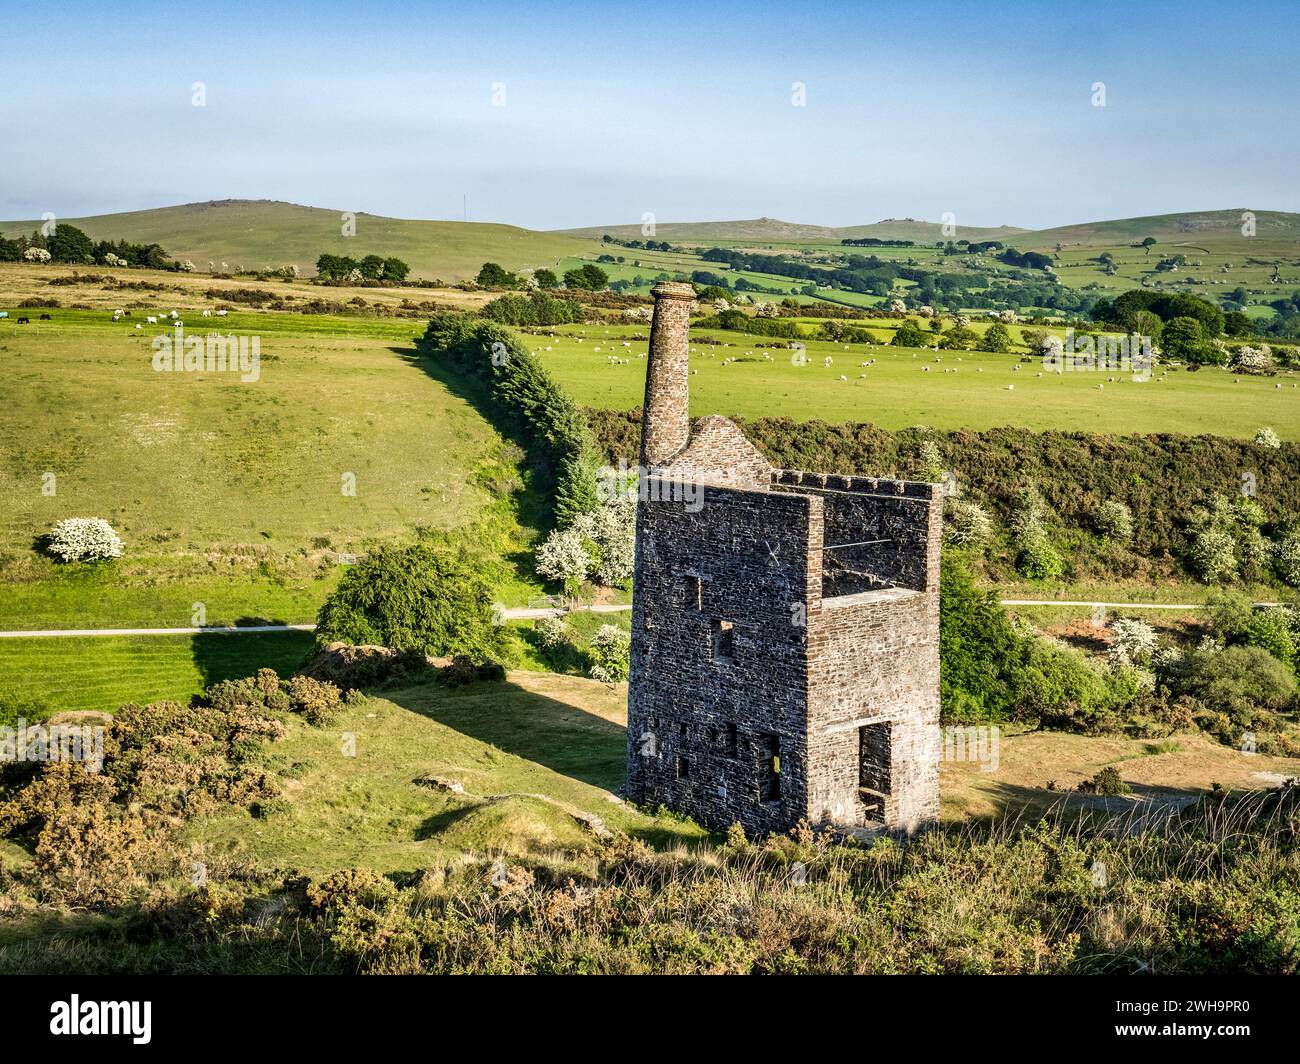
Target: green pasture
104	672
902	386
239	495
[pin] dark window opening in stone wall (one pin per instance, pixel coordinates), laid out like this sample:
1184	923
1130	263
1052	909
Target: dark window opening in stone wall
694	593
723	641
729	740
711	735
875	765
683	768
769	768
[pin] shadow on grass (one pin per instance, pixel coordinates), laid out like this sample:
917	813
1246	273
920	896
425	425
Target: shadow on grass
529	501
232	656
563	738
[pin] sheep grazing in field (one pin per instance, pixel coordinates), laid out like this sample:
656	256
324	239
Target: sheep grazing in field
151	320
138	325
842	377
222	313
207	313
1011	387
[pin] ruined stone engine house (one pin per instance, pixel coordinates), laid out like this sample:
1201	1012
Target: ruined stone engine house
785	626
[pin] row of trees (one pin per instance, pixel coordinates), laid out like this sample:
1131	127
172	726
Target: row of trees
588	278
369	268
67	243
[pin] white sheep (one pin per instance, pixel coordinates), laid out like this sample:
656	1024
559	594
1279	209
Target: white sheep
151	320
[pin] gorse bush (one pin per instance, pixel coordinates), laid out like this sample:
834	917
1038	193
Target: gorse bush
552	427
425	598
97	836
83	539
979	899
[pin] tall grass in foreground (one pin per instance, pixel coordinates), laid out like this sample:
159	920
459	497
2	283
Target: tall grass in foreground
1212	889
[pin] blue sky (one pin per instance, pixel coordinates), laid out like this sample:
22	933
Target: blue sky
680	109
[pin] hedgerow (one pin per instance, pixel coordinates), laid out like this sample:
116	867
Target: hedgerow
553	427
1161	479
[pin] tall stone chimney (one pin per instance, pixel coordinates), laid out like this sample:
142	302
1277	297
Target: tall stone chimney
665	420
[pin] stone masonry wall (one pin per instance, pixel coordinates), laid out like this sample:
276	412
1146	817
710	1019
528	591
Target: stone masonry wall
743	558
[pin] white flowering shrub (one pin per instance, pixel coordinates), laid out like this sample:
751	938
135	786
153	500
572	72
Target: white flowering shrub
1266	437
83	539
1213	555
611	654
1253	359
611	528
1286	559
1009	316
1132	642
1036	558
897	306
966	524
1115	520
186	266
566	557
720	305
765	310
36	255
552	631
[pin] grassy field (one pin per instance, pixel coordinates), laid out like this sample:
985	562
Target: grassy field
529	752
905	387
258	234
104	672
538	751
229	493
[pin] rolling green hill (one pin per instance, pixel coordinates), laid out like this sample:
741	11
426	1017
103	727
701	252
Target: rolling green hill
1171	228
260	233
776	231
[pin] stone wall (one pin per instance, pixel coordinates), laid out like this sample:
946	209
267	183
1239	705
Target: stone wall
743	558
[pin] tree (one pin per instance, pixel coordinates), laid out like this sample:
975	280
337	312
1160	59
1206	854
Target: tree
909	334
589	277
69	244
493	276
1237	324
371	267
546	279
996	339
395	270
422	597
1183	338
